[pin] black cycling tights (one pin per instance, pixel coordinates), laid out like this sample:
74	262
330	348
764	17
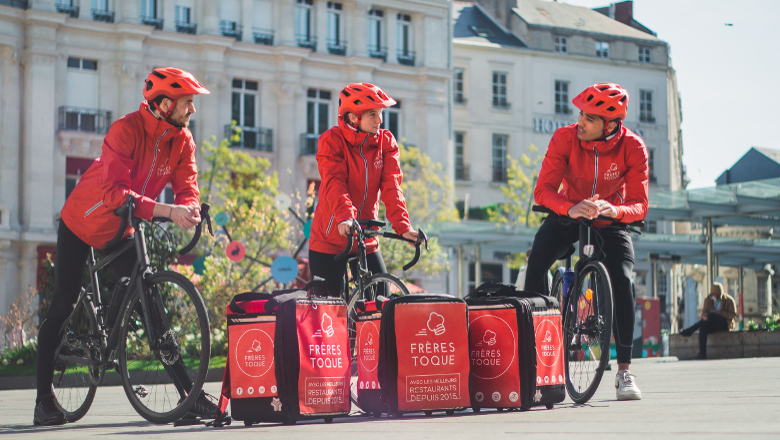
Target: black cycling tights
554	240
71	258
334	272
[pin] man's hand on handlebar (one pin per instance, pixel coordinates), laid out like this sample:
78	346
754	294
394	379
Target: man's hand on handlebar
606	209
411	235
587	208
345	227
185	217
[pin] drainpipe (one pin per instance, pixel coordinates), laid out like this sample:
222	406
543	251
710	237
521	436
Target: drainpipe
741	298
710	273
655	279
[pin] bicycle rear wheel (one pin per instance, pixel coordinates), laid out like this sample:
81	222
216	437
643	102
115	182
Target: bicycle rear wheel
393	286
163	360
74	387
556	290
587	329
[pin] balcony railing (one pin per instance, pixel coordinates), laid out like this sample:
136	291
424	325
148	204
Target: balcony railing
21	4
186	28
462	172
153	21
378	52
501	104
309	144
231	29
562	110
103	15
406	57
253	138
72	11
307	41
336	47
263	36
88	120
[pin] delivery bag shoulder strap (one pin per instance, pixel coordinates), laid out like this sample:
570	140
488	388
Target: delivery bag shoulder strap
246	297
490	288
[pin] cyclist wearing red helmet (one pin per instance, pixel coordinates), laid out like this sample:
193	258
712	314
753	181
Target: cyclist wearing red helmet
357	161
601	168
142	152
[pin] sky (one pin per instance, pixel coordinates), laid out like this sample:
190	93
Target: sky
728	77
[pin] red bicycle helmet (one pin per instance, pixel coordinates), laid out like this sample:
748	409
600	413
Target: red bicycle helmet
607	100
358	97
172	83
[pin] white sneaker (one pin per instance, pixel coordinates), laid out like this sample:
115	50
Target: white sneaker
626	387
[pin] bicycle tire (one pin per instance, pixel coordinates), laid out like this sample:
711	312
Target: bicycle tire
556	290
401	289
73	384
163	384
587	329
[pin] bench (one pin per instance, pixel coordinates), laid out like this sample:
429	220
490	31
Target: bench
727	345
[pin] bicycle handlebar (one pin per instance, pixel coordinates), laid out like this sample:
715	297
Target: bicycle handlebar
125	213
421	238
544	209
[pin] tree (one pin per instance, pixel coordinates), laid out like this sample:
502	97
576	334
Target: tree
428	200
518	191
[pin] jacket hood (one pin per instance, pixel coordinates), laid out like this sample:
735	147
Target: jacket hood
606	144
355	137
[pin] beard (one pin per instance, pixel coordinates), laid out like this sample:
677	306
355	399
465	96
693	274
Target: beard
182	121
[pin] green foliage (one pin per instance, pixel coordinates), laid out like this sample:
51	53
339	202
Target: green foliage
769	324
428	195
20	331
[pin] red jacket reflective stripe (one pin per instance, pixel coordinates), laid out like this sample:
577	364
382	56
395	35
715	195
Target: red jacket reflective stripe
355	168
130	164
615	169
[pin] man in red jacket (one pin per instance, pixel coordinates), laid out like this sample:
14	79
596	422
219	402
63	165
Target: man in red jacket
600	167
142	153
357	161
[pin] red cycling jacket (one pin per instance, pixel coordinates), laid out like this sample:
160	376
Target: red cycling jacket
141	154
615	169
355	168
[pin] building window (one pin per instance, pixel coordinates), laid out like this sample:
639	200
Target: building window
317	119
405	52
100	11
303	23
662	284
336	44
499	157
183	18
646	106
761	291
244	103
651	164
461	168
644	54
261	24
602	49
561	44
148	9
82	64
562	98
457	84
66	7
651	227
167	196
499	90
392	120
75	167
375	47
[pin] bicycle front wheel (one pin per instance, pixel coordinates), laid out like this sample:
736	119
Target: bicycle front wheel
164	357
392	285
587	329
74	372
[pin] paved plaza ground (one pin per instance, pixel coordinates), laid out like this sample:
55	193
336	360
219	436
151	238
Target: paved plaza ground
729	399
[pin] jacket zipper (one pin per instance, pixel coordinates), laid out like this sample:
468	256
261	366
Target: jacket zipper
156	150
595	172
365	192
330	223
89	211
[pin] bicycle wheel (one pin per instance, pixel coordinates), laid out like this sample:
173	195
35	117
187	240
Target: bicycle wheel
587	329
394	286
163	364
74	387
556	290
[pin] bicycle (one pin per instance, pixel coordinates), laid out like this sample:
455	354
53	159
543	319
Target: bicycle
585	295
369	286
159	342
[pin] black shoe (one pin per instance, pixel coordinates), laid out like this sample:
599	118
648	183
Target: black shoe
204	408
702	356
47	412
687	332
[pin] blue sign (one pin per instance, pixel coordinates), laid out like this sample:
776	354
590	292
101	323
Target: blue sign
284	269
221	219
307	229
199	265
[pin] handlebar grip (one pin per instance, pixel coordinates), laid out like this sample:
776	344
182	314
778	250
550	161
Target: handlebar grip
539	208
421	238
343	254
124	212
204	213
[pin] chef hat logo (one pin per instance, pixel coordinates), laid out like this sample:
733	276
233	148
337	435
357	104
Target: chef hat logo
436	323
370	340
489	338
327	325
256	346
548	336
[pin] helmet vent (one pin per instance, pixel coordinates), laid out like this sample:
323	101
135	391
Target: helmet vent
357	89
610	109
623	99
371	98
346	93
589	97
614	93
175	85
601	89
358	102
158	74
149	85
599	103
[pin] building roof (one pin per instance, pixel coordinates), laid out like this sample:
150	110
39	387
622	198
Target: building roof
756	164
474	26
562	15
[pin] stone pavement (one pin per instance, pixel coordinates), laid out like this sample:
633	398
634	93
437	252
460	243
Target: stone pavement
681	399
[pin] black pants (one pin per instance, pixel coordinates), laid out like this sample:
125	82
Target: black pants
335	272
554	241
714	323
71	258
